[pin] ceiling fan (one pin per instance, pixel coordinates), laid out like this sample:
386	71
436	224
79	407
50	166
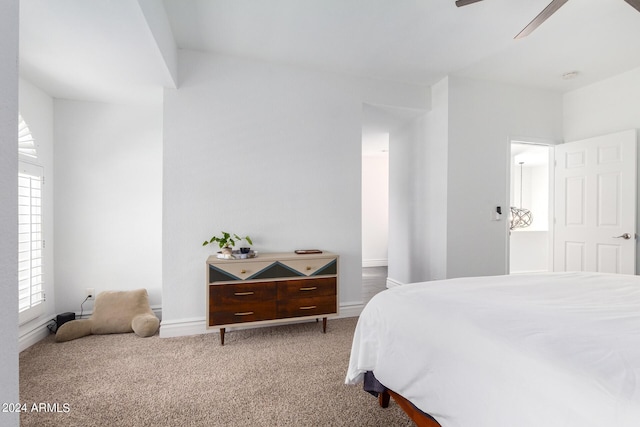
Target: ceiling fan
544	15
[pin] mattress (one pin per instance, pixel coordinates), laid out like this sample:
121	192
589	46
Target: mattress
553	349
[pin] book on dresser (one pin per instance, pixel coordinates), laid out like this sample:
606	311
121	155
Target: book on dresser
272	288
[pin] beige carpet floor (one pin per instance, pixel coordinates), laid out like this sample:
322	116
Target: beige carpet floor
291	375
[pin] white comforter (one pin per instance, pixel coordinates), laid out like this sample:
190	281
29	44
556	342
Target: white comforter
556	349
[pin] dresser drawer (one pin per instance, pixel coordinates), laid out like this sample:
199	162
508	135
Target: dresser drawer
312	306
310	266
239	313
236	270
241	302
306	288
241	293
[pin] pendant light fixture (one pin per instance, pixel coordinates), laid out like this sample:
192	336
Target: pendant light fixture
520	217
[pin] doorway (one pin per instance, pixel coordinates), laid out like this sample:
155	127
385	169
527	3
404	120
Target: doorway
375	201
391	138
530	239
375	212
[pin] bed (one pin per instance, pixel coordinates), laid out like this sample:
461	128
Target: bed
552	349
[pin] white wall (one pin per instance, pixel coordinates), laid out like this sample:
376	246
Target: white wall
483	116
36	108
437	169
375	209
266	150
9	208
608	106
108	200
448	172
407	223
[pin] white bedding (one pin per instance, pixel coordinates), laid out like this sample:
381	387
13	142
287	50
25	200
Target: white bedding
552	349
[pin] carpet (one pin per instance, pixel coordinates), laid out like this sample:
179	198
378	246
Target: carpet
289	375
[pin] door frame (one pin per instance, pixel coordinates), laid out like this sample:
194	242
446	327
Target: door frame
550	144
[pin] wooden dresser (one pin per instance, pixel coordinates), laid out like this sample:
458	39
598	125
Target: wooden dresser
271	288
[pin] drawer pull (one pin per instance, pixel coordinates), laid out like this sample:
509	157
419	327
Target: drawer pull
308	268
244	313
310	288
243	271
309	307
243	293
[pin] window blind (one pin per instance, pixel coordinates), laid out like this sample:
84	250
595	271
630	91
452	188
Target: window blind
30	242
26	143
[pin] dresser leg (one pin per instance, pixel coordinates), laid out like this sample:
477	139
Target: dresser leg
324	325
383	399
221	336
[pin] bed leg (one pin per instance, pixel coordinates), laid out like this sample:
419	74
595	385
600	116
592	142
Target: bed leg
383	399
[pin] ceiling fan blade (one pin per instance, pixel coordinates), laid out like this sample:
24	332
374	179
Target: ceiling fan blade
543	16
634	3
465	2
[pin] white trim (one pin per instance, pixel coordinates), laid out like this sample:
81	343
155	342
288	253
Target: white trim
351	309
529	272
172	328
198	325
179	328
40	331
157	310
375	262
393	283
34	334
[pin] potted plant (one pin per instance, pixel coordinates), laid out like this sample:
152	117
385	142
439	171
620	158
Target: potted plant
226	241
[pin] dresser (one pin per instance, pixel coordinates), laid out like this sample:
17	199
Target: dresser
271	288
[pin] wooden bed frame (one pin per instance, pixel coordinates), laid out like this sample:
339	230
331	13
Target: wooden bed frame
420	418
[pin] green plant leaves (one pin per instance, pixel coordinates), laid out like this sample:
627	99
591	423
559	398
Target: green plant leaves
226	239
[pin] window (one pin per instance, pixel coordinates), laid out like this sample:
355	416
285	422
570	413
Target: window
30	238
26	144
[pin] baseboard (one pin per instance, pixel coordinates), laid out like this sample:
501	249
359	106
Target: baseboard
184	327
197	326
175	328
529	272
168	329
39	330
35	334
375	262
351	309
393	283
157	310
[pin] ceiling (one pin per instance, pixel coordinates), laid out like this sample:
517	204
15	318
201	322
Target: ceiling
108	50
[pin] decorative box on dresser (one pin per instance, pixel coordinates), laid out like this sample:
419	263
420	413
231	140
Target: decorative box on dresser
271	288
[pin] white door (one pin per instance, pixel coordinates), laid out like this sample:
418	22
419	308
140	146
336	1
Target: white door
595	204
